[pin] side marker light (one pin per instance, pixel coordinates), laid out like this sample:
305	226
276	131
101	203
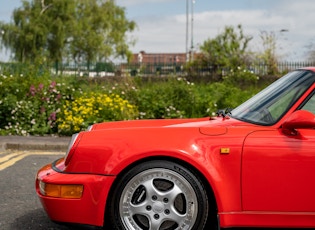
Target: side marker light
225	150
61	190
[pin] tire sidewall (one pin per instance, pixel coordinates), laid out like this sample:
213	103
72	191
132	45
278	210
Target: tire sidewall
122	181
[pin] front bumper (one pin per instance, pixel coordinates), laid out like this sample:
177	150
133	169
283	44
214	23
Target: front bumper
89	209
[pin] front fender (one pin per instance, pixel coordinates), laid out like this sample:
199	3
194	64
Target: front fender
110	152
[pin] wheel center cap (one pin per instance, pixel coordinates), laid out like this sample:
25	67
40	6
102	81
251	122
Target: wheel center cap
158	207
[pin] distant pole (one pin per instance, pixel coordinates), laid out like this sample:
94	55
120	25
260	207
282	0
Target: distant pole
192	30
187	30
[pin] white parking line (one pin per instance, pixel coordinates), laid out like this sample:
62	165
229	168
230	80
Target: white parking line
11	159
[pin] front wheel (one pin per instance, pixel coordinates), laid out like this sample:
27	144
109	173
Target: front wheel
159	195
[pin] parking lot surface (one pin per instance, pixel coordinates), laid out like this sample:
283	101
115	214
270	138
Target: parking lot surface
20	207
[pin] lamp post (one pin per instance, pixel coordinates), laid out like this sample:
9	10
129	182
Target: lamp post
282	39
190	52
187	30
192	30
2	32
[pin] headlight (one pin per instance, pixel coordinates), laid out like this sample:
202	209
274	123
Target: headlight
70	150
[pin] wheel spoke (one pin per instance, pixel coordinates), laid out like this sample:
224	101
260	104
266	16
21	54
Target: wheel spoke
150	188
173	193
138	209
155	224
176	217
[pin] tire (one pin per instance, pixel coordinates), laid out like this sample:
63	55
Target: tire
158	195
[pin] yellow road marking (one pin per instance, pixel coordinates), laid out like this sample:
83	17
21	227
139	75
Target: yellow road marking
12	158
8	157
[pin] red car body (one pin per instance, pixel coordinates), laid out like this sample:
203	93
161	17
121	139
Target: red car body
255	175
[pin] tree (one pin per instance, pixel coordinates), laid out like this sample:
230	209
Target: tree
225	51
99	22
25	35
58	17
310	52
55	29
268	56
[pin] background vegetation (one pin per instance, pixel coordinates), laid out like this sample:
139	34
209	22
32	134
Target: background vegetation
53	31
50	32
63	105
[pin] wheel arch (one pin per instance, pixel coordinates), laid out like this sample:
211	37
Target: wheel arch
207	186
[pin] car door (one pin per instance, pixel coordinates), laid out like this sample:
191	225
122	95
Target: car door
278	171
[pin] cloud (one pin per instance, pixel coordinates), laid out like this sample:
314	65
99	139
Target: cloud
168	33
162	23
126	3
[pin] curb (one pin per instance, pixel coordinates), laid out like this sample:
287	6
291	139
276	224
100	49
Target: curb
43	143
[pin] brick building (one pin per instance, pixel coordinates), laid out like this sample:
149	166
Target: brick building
154	58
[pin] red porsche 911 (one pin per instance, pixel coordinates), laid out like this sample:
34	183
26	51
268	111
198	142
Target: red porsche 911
253	166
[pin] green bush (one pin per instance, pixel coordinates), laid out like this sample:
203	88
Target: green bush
35	112
172	98
30	105
39	105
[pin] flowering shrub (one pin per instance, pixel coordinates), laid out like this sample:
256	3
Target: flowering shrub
39	105
240	77
91	108
37	112
10	89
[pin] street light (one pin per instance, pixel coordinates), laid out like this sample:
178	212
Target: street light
187	30
192	30
190	52
281	33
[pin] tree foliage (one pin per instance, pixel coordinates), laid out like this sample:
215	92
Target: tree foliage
269	56
85	30
227	50
310	53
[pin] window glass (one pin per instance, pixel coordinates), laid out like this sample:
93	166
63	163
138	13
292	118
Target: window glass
310	105
268	106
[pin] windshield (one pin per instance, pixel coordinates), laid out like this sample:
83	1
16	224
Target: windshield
268	106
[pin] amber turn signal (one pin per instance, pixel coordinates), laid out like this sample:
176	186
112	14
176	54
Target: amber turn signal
61	191
225	150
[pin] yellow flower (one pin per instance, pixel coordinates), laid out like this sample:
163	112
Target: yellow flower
94	107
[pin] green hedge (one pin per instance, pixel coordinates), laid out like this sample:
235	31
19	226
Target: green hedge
39	104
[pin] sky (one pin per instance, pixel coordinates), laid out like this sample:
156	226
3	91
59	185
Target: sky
161	24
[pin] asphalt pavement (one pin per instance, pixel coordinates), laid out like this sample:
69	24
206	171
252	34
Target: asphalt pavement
46	143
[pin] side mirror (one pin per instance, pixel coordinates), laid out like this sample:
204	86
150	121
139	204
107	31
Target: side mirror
300	119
